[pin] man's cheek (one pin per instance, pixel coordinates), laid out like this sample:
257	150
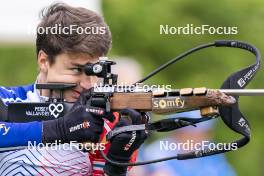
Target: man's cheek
62	79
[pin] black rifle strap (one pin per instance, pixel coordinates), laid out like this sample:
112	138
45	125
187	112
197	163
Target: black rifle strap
232	116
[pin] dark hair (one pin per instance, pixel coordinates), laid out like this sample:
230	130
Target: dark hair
95	44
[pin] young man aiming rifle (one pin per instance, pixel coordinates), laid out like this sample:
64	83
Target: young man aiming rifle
69	38
81	37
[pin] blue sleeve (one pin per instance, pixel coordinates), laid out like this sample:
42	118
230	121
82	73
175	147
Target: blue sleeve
19	134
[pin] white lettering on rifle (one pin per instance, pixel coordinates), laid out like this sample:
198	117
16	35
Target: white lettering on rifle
163	103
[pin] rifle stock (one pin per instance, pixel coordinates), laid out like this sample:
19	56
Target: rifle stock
167	102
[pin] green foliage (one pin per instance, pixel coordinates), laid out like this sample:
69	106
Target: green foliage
135	28
18	64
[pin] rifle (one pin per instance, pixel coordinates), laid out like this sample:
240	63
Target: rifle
109	98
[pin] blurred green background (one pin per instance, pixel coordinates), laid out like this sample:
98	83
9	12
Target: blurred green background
135	29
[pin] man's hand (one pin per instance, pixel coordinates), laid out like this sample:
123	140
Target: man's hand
124	144
78	125
83	123
85	100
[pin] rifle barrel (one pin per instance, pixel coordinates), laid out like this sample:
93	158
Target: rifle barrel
243	92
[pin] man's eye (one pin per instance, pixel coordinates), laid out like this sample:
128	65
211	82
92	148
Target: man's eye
77	70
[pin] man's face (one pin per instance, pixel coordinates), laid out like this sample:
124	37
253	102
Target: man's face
68	68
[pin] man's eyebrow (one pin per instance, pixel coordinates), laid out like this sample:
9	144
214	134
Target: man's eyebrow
80	65
77	65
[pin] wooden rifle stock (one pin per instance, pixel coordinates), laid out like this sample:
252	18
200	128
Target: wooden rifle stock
168	102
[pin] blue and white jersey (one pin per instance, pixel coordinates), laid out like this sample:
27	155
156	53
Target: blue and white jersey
35	161
19	94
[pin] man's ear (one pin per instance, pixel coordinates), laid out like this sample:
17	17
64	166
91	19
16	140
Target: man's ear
43	61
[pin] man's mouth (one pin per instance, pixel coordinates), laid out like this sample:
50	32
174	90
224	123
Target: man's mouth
76	93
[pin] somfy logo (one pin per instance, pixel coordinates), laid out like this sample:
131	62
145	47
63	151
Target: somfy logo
55	110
